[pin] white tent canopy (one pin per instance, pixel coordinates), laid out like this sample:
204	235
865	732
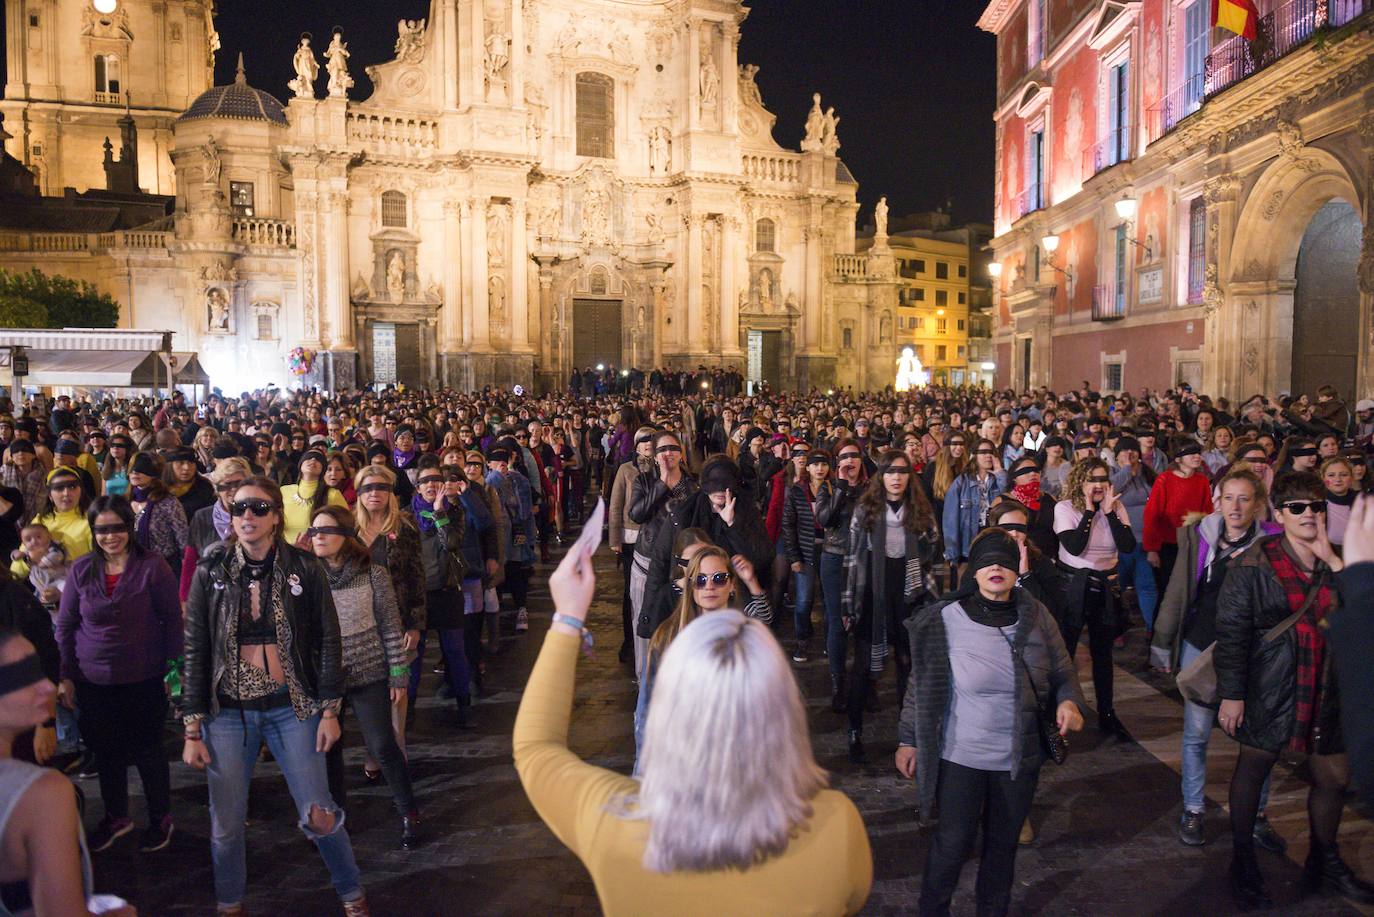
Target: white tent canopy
112	369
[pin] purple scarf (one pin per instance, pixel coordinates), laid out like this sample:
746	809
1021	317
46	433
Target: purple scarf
220	517
424	513
404	460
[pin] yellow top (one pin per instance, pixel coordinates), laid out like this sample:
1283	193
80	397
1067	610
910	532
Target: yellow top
70	530
827	869
295	501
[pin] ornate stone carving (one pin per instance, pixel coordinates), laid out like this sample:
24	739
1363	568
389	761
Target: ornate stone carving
336	63
880	218
1220	188
830	138
660	150
209	153
496	300
362	290
1366	129
1212	298
596	210
1365	271
496	235
569	37
549	218
218	272
410	40
1251	359
815	125
708	80
1291	144
654	236
1272	205
494	62
107	25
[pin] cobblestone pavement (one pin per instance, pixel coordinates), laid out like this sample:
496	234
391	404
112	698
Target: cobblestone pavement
1105	820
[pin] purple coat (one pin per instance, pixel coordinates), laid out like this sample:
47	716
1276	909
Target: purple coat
122	638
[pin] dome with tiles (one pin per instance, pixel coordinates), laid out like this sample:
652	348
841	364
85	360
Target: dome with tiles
238	101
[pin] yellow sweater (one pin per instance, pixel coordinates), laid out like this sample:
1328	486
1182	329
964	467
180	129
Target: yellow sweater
826	870
296	512
70	530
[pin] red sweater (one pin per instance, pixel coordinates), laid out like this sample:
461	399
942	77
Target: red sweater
1171	499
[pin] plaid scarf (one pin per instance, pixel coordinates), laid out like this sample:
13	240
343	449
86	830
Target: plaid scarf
1311	642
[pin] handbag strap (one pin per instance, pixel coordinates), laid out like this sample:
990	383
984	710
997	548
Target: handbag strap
1025	668
1313	588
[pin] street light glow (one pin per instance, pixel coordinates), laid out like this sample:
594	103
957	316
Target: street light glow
705	384
1050	243
994	269
601	367
104	7
1125	208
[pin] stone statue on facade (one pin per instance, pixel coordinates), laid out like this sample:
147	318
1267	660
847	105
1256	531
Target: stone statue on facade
307	69
815	125
496	301
213	165
218	304
496	236
596	216
336	62
548	222
410	38
569	43
494	62
396	277
655	234
748	89
830	138
660	150
880	218
710	81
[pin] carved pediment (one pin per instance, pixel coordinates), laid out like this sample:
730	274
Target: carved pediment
1111	22
1033	99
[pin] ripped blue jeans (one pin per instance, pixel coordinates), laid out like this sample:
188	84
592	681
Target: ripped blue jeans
233	738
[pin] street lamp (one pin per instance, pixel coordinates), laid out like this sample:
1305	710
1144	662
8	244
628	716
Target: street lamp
601	367
994	269
104	7
1126	210
705	384
1051	244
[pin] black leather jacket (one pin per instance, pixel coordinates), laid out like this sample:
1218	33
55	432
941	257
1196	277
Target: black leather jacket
649	498
316	651
834	508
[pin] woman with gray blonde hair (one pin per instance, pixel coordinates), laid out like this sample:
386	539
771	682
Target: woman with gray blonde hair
714	826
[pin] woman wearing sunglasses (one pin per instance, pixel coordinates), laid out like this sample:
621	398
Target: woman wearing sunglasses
893	544
263	664
64	513
211	525
119	630
1094	531
713	581
375	663
1277	692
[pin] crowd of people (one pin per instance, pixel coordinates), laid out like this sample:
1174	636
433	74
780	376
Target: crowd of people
256	568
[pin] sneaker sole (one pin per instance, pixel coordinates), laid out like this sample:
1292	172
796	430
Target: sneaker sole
113	837
167	839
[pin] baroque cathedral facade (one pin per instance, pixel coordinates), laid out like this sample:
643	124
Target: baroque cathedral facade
532	186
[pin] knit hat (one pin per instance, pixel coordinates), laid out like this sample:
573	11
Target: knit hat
145	463
181	454
67	447
376	449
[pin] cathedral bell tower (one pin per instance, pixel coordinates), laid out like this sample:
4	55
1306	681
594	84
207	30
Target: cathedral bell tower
74	68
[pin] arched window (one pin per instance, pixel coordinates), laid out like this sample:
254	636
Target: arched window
107	82
765	236
394	209
595	115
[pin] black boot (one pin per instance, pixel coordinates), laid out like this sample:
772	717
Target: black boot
856	746
838	700
1108	723
1326	871
464	717
1247	882
410	830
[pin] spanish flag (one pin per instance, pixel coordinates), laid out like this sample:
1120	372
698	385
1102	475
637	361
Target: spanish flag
1239	16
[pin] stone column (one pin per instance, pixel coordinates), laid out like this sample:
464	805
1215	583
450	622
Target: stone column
729	295
477	277
1224	342
693	75
519	279
812	304
729	80
657	287
549	350
337	298
516	69
694	338
469	266
446	44
451	318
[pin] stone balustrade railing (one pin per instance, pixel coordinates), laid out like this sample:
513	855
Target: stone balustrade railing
772	167
259	231
134	238
849	267
57	242
395	135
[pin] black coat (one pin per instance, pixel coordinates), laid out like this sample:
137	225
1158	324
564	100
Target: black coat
798	526
746	537
316	648
201	495
20	611
1264	675
1352	646
925	708
834	508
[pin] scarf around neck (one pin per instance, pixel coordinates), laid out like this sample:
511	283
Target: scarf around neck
424	513
1029	494
221	519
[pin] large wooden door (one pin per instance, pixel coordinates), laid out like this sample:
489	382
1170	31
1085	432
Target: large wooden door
1326	303
596	332
410	369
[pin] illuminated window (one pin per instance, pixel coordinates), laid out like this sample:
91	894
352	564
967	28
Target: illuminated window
241	198
765	236
107	83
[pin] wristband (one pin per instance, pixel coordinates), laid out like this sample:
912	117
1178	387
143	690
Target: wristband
570	621
400	671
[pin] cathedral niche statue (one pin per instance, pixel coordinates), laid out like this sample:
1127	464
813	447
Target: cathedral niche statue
710	81
217	305
307	69
494	61
815	125
496	301
396	277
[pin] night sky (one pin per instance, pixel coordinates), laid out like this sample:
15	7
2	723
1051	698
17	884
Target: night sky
913	81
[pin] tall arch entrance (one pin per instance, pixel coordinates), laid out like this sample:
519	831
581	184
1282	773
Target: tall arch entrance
1326	302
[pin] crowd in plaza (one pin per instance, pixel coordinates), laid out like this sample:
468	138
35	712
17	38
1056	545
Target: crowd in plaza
257	567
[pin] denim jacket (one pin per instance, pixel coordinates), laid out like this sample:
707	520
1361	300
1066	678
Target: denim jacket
964	511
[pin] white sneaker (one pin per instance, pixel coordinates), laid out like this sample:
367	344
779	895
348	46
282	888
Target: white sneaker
522	621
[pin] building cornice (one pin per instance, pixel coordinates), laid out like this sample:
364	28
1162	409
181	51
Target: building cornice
997	14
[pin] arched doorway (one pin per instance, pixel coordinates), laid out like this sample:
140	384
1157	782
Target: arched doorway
1326	302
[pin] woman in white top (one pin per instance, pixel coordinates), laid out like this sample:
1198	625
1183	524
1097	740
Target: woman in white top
1093	528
